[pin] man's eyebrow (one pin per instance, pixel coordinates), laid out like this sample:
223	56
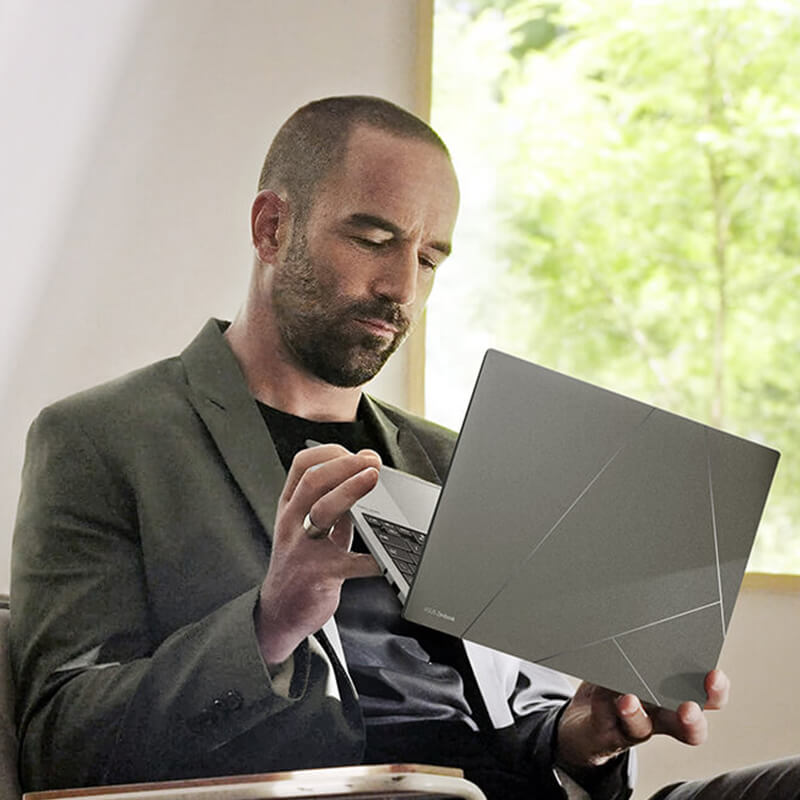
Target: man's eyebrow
360	220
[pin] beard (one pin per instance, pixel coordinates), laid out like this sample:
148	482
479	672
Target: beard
318	324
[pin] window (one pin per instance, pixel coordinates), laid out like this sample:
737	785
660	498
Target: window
630	211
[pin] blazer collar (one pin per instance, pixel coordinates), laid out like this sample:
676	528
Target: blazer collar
219	394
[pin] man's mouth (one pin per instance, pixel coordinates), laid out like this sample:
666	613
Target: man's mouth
380	327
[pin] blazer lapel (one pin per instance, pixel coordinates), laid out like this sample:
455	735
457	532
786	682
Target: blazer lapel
219	394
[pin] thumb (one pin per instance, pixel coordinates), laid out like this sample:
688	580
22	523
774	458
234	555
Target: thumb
359	565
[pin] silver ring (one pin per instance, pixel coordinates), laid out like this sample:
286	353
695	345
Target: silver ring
314	531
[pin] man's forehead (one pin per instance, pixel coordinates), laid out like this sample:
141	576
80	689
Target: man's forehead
393	176
371	149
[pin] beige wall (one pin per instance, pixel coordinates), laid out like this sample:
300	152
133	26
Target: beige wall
133	132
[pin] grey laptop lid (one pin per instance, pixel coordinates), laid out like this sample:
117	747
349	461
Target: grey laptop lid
591	532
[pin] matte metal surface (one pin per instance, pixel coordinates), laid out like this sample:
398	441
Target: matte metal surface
591	532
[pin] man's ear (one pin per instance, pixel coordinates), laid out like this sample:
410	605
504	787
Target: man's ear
268	215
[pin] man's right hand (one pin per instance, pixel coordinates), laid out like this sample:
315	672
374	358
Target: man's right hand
300	592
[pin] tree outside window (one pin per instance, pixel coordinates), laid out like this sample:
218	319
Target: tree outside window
631	211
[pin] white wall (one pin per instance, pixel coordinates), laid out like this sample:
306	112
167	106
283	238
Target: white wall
133	133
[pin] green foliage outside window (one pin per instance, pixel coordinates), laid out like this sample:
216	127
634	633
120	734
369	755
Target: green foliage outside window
631	210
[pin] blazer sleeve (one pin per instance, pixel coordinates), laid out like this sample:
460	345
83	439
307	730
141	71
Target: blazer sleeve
99	701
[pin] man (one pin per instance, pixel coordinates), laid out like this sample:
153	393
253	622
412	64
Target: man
185	599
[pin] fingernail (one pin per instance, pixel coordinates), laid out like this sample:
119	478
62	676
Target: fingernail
692	714
629	711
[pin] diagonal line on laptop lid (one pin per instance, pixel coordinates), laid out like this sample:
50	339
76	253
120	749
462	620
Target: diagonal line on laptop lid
635	630
716	539
636	671
552	530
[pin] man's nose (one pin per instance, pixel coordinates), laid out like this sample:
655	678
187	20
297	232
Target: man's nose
398	280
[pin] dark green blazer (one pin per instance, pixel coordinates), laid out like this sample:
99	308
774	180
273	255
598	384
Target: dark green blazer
142	537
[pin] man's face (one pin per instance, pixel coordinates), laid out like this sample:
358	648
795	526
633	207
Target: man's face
357	272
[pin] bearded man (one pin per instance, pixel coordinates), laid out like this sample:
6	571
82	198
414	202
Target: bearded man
186	597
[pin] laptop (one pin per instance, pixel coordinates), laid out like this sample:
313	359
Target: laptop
579	529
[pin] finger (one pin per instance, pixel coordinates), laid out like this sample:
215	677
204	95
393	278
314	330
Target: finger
320	478
342	533
688	724
334	504
634	722
693	724
358	565
305	460
718	688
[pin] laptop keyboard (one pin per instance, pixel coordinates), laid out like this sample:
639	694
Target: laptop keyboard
404	545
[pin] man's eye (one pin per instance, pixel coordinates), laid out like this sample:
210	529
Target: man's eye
371	243
428	263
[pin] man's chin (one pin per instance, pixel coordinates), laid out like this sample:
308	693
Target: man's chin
362	365
355	375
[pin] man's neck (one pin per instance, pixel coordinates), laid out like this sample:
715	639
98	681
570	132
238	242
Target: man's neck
275	379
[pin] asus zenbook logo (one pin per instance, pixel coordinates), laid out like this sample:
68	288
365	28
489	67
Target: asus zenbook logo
436	613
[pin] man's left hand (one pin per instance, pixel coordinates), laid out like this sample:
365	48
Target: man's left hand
599	724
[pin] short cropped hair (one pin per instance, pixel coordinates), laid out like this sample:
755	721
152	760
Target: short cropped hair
314	140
